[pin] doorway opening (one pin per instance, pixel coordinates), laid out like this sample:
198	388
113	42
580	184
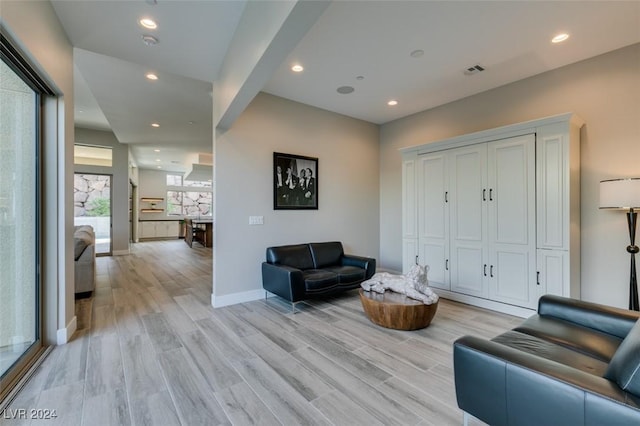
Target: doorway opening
92	206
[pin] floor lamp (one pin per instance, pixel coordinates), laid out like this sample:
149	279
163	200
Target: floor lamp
624	194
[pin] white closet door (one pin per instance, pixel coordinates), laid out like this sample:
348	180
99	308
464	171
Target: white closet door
409	210
511	224
409	254
553	272
409	214
433	221
467	180
553	174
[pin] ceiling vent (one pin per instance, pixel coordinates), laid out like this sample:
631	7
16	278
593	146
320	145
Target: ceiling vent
475	69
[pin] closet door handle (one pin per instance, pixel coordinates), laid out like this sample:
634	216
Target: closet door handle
416	259
538	277
446	196
491	194
484	195
491	271
485	269
446	264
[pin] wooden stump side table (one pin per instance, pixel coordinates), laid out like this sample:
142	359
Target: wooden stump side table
397	311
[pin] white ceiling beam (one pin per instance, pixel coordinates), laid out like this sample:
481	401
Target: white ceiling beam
268	31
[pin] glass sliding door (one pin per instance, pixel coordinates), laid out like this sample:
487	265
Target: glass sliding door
20	307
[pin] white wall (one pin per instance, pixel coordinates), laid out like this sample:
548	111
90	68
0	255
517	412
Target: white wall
347	152
153	184
605	92
119	184
35	28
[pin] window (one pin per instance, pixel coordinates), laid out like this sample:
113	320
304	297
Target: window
188	203
174	180
174	203
196	204
198	183
184	202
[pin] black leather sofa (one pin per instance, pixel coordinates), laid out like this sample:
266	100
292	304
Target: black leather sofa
302	271
574	363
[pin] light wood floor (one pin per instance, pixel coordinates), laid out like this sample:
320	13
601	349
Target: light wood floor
150	350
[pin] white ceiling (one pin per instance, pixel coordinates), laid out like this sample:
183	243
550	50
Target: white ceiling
372	39
510	39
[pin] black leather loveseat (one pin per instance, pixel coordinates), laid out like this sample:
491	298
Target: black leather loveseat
301	271
574	363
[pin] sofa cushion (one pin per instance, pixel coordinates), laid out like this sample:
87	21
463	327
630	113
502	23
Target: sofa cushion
624	367
297	256
581	339
326	254
551	351
82	240
318	280
348	274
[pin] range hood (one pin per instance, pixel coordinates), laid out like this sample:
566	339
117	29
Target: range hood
201	169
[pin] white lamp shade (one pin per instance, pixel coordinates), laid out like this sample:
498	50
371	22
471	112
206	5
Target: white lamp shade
620	193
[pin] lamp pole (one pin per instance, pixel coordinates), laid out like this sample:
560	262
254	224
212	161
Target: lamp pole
624	194
632	249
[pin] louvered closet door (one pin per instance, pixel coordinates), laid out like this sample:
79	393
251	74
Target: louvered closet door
468	178
433	221
511	214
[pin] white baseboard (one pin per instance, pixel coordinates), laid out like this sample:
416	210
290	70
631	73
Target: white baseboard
64	334
505	308
120	252
234	298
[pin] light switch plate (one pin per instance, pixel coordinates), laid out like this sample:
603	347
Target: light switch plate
256	220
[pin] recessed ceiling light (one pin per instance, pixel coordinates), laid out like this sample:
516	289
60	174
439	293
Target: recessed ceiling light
156	150
155	125
151	76
392	102
360	77
297	68
192	122
149	40
345	90
148	23
416	53
158	160
560	38
80	111
159	167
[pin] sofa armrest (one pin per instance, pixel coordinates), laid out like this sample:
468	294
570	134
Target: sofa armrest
502	385
606	319
88	255
285	281
366	263
85	270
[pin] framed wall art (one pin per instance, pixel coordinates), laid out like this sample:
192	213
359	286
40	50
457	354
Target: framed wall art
295	182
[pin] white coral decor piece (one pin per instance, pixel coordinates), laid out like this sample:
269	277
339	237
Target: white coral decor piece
413	285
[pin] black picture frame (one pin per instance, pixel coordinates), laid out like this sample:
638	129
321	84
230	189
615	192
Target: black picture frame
292	188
